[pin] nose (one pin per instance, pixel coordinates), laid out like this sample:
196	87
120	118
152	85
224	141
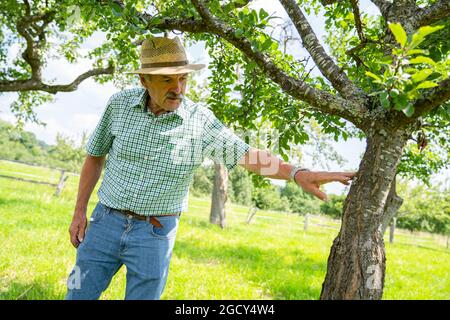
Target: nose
177	89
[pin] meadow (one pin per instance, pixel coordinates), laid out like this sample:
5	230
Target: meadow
271	258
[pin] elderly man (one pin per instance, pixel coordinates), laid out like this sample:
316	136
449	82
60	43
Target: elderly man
155	140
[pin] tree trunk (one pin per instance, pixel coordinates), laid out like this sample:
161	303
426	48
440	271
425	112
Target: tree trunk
357	261
219	195
393	204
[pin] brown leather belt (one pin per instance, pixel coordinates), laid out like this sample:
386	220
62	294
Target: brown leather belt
151	219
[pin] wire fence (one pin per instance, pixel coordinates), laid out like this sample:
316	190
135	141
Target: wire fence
311	222
60	178
36	173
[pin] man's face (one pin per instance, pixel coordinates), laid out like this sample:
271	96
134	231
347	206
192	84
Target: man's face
166	91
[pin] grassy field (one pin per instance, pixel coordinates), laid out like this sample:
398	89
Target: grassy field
272	258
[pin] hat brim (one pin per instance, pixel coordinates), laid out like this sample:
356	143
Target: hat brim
170	70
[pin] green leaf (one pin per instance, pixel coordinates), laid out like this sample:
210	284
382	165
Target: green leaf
422	59
426	85
399	33
421	75
385	60
241	2
253	17
267	44
156	20
409	110
374	76
384	99
251	65
116	9
420	35
401	101
239	32
416	51
394	93
262	14
426	30
156	31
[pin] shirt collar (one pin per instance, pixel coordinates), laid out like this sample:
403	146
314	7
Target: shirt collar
140	99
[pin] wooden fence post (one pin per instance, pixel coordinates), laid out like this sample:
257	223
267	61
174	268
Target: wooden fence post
392	229
251	214
306	223
62	180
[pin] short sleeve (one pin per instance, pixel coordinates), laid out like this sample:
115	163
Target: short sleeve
221	144
101	139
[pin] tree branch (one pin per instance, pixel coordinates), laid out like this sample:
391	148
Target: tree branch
435	12
362	37
30	54
35	36
38	85
383	6
326	65
318	99
358	23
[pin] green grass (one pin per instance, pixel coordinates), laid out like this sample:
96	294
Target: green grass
272	258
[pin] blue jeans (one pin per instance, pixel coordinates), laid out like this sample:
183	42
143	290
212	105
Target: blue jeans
112	240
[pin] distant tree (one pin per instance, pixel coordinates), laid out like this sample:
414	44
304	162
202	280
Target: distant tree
67	153
425	208
300	201
202	182
241	186
269	198
333	207
21	145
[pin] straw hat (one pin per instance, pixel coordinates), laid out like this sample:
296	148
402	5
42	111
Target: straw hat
161	55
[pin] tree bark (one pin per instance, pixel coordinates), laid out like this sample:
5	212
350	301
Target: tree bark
219	195
357	261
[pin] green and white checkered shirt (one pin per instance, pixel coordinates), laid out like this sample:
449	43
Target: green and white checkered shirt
152	158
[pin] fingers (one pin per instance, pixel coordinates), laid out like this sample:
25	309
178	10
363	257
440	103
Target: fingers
74	236
315	191
77	232
351	174
345	180
321	195
346	177
81	233
77	229
312	181
342	177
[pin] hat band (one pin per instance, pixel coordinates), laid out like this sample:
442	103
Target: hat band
164	64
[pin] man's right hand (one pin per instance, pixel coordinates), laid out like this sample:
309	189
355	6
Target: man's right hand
77	228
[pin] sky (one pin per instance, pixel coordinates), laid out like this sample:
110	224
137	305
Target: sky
76	112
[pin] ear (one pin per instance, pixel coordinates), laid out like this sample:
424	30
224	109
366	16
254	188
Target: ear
142	79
